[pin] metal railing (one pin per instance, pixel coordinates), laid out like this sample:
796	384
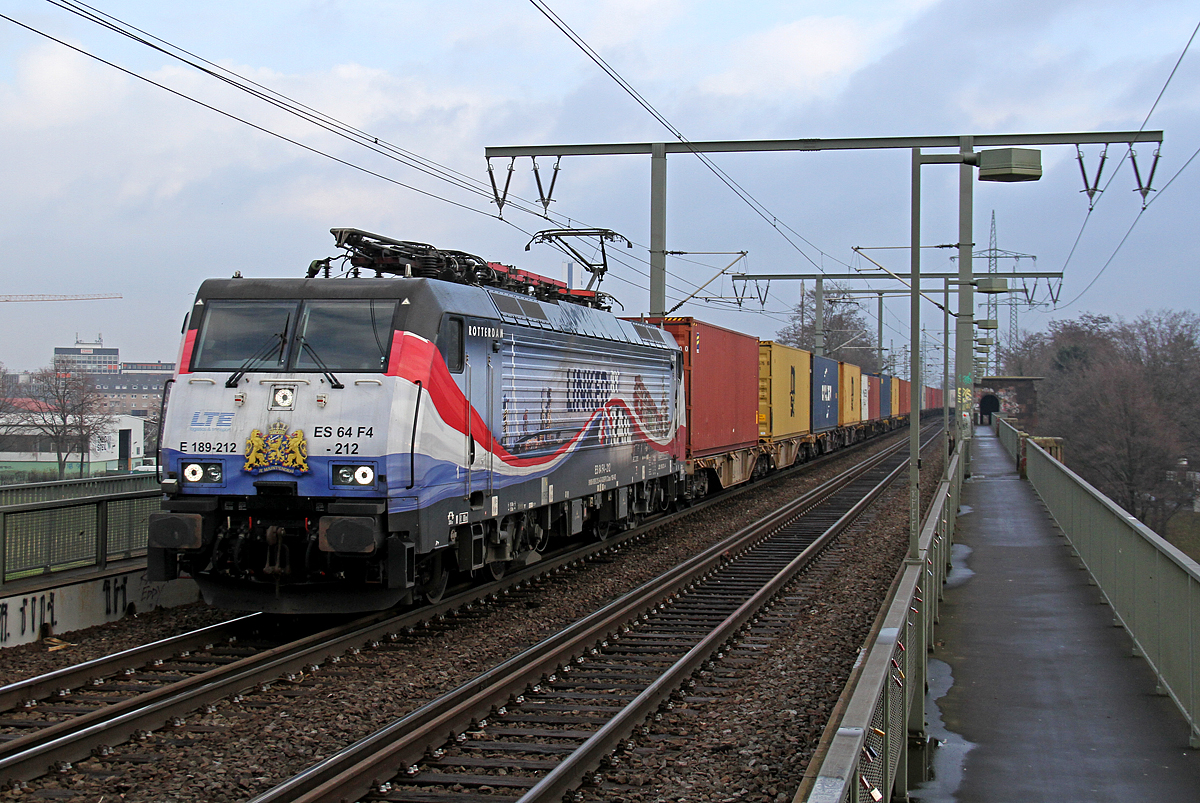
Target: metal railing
70	489
1152	587
866	760
1010	437
42	537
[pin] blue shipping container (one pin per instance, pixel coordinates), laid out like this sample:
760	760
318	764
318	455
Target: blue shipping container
885	397
824	394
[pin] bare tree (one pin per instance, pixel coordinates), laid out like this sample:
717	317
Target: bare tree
1027	357
1125	396
1124	442
1167	344
153	423
65	408
848	336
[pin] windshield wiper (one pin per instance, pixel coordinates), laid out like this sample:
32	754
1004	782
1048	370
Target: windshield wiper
333	380
263	353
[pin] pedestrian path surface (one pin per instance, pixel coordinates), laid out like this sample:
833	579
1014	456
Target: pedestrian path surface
1034	692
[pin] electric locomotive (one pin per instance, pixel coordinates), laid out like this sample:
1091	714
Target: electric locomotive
342	444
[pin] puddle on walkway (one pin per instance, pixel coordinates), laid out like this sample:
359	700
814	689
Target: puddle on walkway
959	571
936	771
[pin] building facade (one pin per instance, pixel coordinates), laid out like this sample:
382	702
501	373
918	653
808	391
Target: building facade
88	358
31	456
133	392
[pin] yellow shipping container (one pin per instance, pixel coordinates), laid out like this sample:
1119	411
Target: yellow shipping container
895	395
784	397
849	394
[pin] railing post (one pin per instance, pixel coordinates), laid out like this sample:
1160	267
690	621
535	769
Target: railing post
3	547
101	533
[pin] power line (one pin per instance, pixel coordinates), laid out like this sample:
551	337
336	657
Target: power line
305	112
283	102
724	177
1172	179
1145	206
1114	175
244	121
1106	264
309	114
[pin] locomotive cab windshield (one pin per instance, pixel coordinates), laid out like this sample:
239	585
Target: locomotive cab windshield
276	335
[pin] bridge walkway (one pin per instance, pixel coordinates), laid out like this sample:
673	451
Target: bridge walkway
1035	693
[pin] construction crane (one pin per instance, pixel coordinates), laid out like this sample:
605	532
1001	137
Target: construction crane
83	297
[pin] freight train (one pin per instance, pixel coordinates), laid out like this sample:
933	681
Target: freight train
346	444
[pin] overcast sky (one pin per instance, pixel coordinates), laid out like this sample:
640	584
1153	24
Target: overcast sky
113	185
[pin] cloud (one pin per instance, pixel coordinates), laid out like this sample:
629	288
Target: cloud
806	58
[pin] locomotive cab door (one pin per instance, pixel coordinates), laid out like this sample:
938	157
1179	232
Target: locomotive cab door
481	376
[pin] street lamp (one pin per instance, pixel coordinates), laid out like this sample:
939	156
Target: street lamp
998	164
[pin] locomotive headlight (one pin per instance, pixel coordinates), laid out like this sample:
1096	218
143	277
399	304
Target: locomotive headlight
354	475
203	472
284	398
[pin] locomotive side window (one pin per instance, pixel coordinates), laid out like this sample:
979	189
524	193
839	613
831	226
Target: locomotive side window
237	332
452	344
343	335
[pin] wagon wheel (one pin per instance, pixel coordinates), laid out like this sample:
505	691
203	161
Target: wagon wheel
604	530
437	578
497	569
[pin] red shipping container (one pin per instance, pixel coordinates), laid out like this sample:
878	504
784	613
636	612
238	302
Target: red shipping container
721	382
905	397
873	398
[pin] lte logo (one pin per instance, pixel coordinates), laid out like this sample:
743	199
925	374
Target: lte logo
211	420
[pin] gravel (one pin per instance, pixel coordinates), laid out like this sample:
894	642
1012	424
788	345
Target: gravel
67	649
758	733
756	740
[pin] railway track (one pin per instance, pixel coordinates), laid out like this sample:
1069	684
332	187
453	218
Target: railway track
63	717
535	727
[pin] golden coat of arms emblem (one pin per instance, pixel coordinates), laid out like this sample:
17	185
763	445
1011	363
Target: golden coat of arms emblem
277	450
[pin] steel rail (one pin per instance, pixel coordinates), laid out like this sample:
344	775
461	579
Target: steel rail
30	755
588	757
350	773
71	677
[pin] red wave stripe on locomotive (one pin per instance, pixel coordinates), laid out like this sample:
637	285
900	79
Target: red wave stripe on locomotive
416	359
669	448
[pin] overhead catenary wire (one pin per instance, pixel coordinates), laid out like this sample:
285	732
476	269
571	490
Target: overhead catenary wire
281	101
318	118
1145	205
759	209
1108	262
242	120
